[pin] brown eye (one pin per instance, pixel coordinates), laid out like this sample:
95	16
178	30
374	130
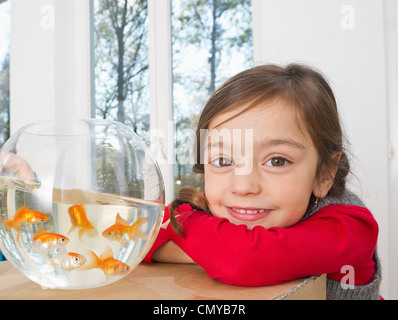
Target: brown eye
277	162
222	162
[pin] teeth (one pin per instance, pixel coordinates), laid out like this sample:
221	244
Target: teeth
248	211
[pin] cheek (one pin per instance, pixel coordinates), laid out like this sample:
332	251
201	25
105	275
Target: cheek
212	181
292	198
208	183
213	192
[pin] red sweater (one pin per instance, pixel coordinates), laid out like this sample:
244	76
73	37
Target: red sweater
335	236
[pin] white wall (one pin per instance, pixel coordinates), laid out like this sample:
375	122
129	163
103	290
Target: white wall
346	41
391	20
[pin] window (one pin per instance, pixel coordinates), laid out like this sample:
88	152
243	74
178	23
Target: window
211	41
121	63
4	71
138	62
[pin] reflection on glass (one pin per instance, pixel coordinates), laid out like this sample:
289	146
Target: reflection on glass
121	63
212	41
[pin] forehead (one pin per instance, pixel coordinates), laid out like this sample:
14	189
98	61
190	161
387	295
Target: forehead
273	120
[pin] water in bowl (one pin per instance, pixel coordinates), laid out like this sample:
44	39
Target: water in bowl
84	259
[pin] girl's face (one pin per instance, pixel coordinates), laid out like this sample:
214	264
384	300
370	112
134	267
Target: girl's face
261	167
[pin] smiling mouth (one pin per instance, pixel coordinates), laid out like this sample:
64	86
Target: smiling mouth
248	211
248	214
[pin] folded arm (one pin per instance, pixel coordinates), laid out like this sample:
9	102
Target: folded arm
235	255
165	250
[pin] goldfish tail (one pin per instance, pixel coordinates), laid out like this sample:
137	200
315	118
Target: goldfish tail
14	224
90	231
73	227
9	224
92	263
135	230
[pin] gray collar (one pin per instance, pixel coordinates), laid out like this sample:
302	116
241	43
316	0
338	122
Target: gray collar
347	198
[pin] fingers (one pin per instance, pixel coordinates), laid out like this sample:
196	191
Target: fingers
10	162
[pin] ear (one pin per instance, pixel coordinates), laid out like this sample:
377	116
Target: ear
325	182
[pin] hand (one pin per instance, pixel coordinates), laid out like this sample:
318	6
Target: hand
12	163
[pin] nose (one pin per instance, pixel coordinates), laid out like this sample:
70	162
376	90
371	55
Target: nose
246	184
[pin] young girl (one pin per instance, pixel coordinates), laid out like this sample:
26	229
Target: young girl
275	207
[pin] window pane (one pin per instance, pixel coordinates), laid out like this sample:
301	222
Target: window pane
121	63
212	41
4	71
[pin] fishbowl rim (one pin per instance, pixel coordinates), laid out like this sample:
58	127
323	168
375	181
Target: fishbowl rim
93	121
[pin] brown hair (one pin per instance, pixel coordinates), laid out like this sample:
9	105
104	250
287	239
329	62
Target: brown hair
298	85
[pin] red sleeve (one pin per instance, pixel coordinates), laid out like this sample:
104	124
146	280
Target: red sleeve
333	237
161	239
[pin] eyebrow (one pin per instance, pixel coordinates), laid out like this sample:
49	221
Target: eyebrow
216	146
264	144
278	142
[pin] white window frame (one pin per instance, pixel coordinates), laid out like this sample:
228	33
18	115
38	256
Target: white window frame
50	66
161	88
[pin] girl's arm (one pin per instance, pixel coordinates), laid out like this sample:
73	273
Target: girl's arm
171	253
334	237
164	250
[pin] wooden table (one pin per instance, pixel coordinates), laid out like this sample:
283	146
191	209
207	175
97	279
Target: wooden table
161	281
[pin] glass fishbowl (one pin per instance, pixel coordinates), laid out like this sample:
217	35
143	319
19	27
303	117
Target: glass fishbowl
82	202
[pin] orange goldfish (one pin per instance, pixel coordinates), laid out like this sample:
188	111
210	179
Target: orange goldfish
107	263
25	215
69	261
121	227
78	219
47	240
